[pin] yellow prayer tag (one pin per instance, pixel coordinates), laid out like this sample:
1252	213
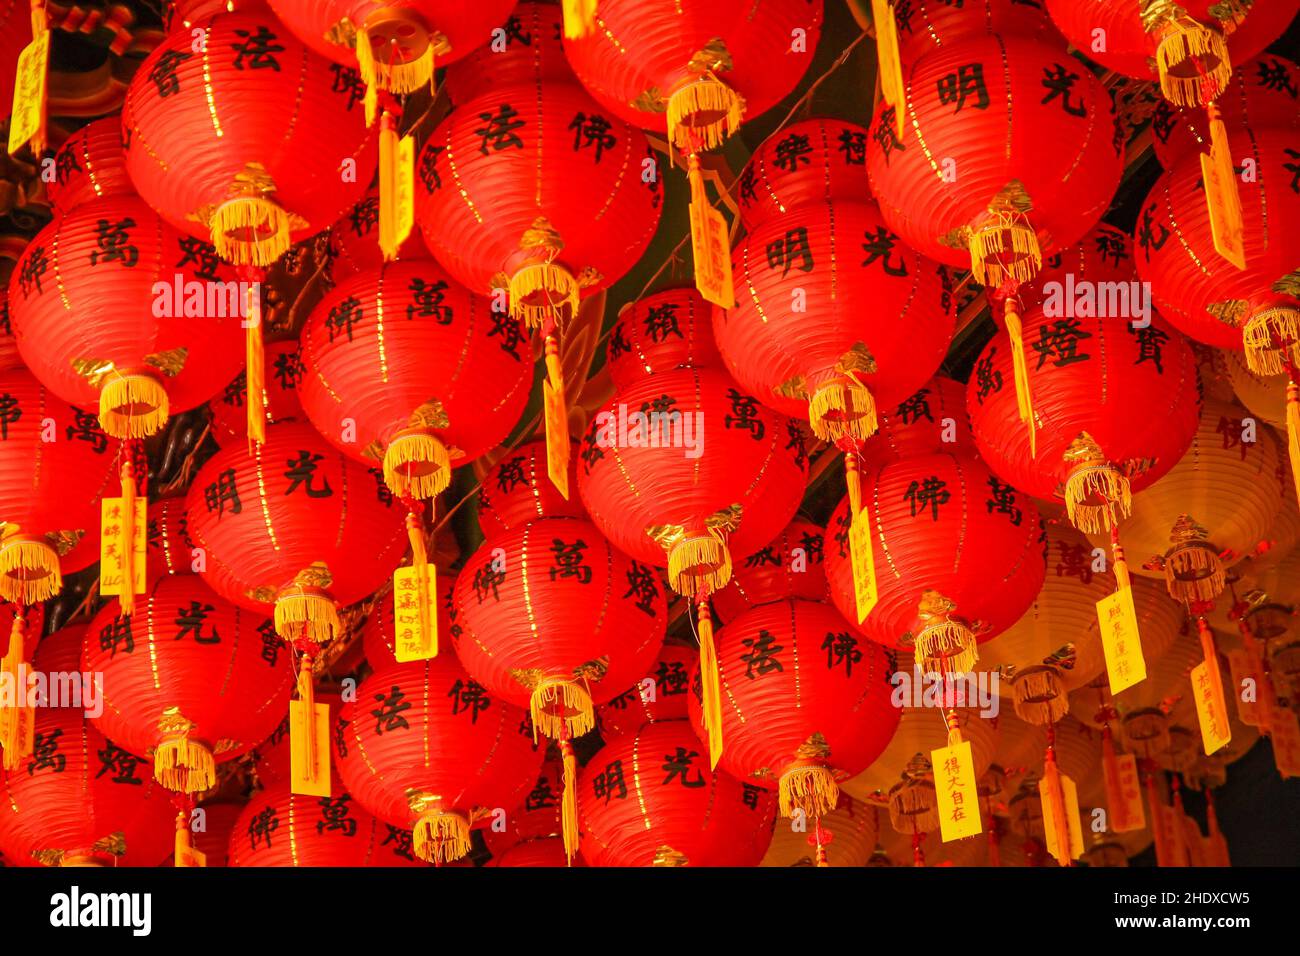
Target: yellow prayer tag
1222	198
1211	710
864	565
889	61
954	785
1117	618
110	561
28	119
1070	798
316	783
711	248
405	190
191	857
1286	742
411	641
1126	809
557	438
1243	666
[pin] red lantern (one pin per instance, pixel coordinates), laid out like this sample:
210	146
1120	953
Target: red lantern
539	817
379	633
957	554
156	672
212	836
516	491
354	241
670	329
88	165
408	368
279	394
800	727
9	357
257	143
281	828
648	798
540	851
835	316
819	160
114	309
658	696
1189	46
793	565
925	26
931	419
79	799
49	489
424	747
171	551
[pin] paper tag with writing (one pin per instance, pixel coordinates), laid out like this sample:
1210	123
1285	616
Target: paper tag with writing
557	438
711	247
954	787
1124	796
1244	666
28	118
889	60
1070	798
316	783
1286	742
1222	198
110	561
1117	618
1211	710
405	183
865	591
411	641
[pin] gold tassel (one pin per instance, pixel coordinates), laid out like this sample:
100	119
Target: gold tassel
953	720
250	231
420	562
913	808
307	696
842	409
710	242
395	213
424	450
557	429
313	612
29	570
561	708
184	765
1097	480
397	78
810	788
1293	432
17	720
579	18
699	565
703	113
889	69
711	680
1181	40
184	845
440	836
550	282
1194	573
988	248
1040	697
569	802
1024	395
255	375
1110	770
132	405
1269	338
946	646
126	534
1055	794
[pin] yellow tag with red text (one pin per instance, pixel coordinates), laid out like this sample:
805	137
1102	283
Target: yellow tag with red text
413	639
1222	198
1120	640
1124	796
110	560
557	438
1286	742
954	787
1245	666
865	591
1070	801
27	123
711	247
889	62
315	783
1211	710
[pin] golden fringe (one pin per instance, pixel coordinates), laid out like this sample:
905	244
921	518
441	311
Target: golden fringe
315	612
913	808
250	231
699	565
988	243
711	681
1270	338
126	535
557	284
398	78
1020	366
184	765
1040	697
843	410
1194	573
308	729
417	448
1183	40
440	836
1103	481
255	379
946	646
29	571
579	18
1056	796
705	95
16	744
1293	432
569	802
132	405
561	708
810	788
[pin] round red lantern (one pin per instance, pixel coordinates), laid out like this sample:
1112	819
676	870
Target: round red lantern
88	165
957	552
407	368
285	373
931	419
211	836
836	316
516	490
156	672
280	828
539	851
658	696
256	143
800	727
170	550
354	241
425	748
379	633
648	798
924	26
672	328
792	565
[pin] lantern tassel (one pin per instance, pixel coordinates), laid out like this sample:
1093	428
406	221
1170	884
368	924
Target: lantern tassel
431	458
440	837
184	765
1293	432
395	199
699	564
308	614
420	562
569	802
843	409
29	570
1040	696
126	533
1024	396
810	788
543	292
711	680
254	366
946	644
184	844
398	77
1183	39
16	719
561	708
1054	793
307	695
953	720
703	114
579	18
1269	338
250	231
132	405
557	424
1088	483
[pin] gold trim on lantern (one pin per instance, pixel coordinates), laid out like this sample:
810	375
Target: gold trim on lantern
1040	696
306	609
1004	249
1271	338
561	708
1193	570
29	568
1188	55
179	763
703	113
1093	478
438	836
417	463
945	644
383	28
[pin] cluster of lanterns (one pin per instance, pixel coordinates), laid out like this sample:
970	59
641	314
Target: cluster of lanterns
643	653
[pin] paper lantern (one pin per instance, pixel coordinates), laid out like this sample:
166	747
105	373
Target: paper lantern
279	394
170	550
9	356
378	634
849	835
88	165
155	670
256	144
670	329
957	555
294	526
517	490
805	702
354	241
538	852
658	696
648	798
406	367
793	565
281	828
931	419
1264	396
810	162
1200	292
116	310
540	816
834	316
924	26
212	836
1190	46
424	747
